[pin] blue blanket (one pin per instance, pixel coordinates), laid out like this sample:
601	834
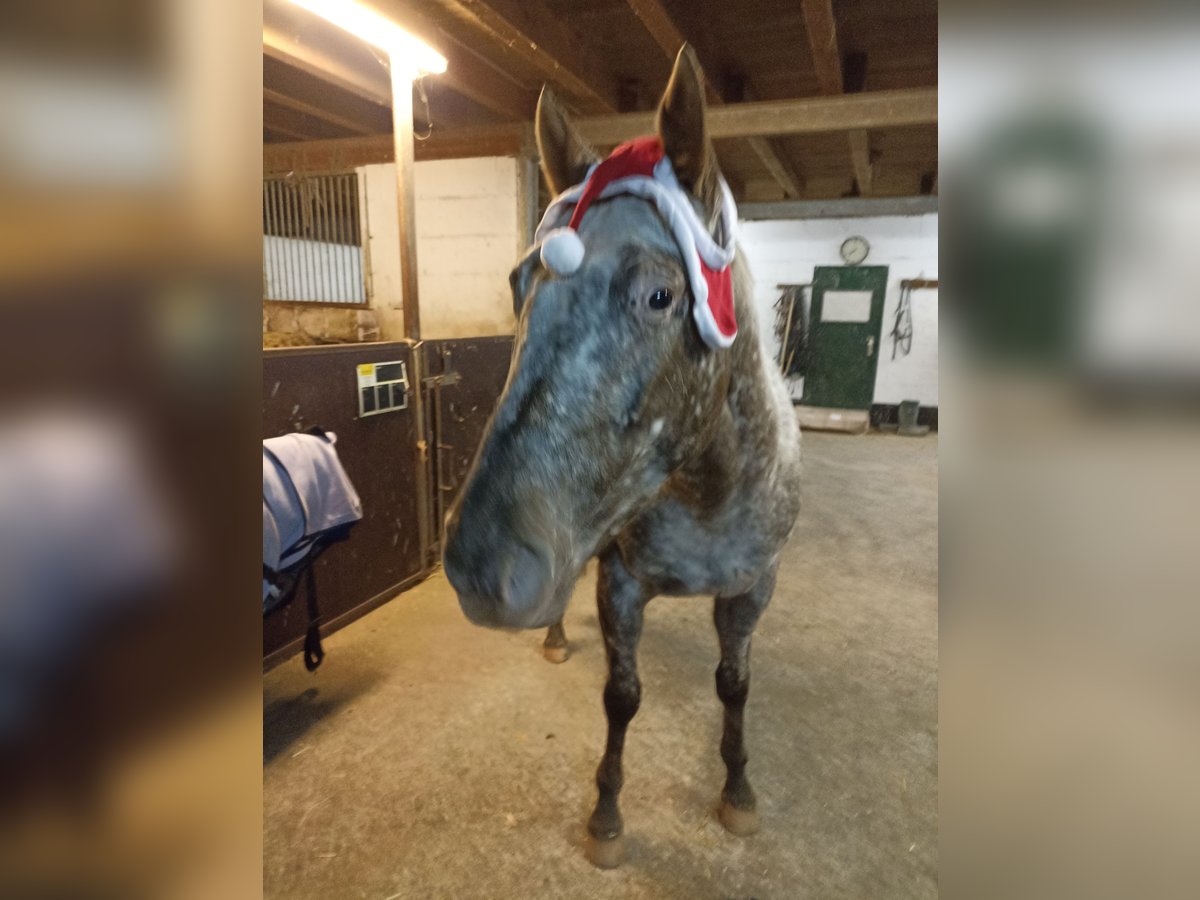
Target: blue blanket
306	493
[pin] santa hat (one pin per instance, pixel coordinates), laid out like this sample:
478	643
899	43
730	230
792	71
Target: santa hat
641	169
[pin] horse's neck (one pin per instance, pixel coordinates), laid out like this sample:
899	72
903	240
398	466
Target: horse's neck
757	429
752	398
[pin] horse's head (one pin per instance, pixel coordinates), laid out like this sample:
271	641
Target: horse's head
615	381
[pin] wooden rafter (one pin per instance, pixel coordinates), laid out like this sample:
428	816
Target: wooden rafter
827	63
860	158
293	121
290	133
370	85
807	115
358	126
775	159
772	158
306	122
274	135
476	80
666	34
541	38
348	153
288	86
811	115
822	40
659	24
466	74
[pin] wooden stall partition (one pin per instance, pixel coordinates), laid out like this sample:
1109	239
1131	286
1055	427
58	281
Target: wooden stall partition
325	386
382	451
466	378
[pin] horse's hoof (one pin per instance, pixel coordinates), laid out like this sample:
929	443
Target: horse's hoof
742	822
606	854
556	654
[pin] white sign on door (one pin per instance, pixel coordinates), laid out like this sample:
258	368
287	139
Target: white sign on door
846	306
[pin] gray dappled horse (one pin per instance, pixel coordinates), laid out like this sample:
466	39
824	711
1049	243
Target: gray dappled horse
624	434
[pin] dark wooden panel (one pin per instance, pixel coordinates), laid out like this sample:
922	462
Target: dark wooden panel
308	386
474	372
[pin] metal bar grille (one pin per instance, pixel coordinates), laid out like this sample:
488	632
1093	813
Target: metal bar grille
312	240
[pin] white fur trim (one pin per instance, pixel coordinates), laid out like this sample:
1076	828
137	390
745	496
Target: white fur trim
562	251
665	172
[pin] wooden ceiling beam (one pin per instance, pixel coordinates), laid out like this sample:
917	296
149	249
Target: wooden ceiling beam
285	131
774	157
541	38
342	154
271	135
658	22
860	159
370	85
811	115
292	85
823	42
827	63
466	74
807	115
285	118
771	156
357	125
296	119
477	80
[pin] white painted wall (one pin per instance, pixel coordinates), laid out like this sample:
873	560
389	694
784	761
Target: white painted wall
469	233
471	228
786	252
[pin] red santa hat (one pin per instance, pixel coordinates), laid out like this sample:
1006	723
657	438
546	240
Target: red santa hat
641	169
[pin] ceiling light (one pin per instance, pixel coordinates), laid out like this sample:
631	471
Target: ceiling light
375	29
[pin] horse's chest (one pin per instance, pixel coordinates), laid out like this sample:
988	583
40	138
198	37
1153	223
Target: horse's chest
673	552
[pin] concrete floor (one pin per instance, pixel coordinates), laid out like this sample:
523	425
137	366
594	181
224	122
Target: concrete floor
430	758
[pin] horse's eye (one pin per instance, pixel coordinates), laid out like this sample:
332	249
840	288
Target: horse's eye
661	299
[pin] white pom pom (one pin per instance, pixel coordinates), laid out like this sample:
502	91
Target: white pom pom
562	251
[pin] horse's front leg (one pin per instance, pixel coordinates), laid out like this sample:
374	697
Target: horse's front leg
621	599
735	618
555	647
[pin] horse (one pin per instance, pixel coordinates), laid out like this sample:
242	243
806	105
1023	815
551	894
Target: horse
632	431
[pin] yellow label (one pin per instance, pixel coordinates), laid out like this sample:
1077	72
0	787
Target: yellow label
366	368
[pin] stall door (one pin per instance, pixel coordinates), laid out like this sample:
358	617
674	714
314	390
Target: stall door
467	376
377	435
847	311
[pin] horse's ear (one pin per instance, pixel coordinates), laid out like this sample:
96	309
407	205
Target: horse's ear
681	125
565	155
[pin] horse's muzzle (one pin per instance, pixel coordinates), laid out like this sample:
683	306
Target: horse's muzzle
502	587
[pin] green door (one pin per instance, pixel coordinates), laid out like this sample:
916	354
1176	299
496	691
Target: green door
847	311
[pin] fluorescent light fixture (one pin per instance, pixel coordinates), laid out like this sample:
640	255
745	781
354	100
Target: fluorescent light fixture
375	29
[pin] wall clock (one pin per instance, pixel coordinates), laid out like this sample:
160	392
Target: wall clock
855	250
